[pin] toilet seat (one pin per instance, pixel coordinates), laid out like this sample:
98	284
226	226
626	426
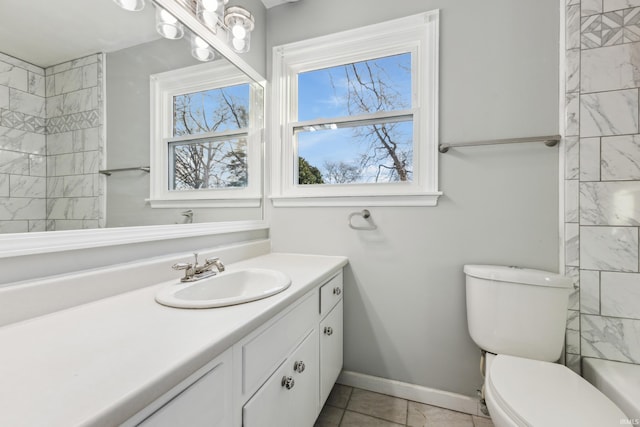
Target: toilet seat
543	394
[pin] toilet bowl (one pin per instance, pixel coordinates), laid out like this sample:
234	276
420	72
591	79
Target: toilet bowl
526	392
518	317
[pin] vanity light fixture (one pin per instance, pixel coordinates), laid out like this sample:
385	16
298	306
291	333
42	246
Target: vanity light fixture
211	12
201	50
240	24
167	25
236	20
131	5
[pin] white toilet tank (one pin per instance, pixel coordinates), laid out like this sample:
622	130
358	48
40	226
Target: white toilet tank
517	311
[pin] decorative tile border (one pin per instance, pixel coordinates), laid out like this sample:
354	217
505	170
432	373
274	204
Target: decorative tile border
591	32
610	28
22	121
70	122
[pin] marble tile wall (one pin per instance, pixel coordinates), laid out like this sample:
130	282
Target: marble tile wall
74	144
22	146
51	145
602	179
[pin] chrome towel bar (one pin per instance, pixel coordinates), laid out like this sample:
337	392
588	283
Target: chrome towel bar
549	141
108	172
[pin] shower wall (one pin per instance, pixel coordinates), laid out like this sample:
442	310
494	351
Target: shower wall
75	144
602	179
51	145
23	166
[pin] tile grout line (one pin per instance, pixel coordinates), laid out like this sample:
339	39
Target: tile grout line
346	405
407	419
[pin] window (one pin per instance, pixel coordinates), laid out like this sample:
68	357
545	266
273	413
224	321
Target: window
355	117
205	148
373	142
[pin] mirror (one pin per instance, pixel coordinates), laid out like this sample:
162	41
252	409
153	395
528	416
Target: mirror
74	101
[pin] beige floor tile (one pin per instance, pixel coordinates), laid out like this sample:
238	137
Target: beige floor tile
330	416
378	405
482	422
421	415
339	396
354	419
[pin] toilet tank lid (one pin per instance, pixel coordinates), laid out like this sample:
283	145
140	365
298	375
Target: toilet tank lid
518	275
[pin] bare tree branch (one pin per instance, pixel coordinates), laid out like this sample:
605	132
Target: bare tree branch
206	163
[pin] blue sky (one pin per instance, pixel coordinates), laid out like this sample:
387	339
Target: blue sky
324	94
209	101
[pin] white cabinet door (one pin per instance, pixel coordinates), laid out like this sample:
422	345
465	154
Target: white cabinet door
330	351
205	403
290	396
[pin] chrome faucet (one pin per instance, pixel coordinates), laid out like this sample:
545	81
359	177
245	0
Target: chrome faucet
194	272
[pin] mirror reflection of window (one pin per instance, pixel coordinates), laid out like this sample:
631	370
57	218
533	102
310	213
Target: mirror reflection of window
206	138
218	160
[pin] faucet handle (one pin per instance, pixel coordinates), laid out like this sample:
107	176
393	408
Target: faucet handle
182	266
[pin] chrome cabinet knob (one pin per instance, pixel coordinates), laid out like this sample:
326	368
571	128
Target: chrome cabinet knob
328	330
288	382
337	291
299	366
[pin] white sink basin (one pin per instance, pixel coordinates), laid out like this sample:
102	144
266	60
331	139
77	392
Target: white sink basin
226	288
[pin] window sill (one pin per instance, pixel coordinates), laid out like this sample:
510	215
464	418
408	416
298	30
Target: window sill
249	202
429	199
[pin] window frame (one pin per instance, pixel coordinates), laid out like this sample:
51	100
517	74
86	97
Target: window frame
164	87
418	35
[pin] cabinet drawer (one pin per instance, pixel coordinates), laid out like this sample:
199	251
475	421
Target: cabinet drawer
262	354
331	350
295	403
330	294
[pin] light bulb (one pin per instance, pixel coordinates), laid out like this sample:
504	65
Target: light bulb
170	32
209	11
167	25
199	42
238	44
200	49
210	19
202	54
238	31
131	5
210	5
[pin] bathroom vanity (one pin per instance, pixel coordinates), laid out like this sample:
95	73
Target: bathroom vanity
127	360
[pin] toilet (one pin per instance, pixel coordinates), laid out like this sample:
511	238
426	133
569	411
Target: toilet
518	317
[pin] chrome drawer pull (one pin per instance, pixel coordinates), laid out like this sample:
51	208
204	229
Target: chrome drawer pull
337	291
288	382
328	330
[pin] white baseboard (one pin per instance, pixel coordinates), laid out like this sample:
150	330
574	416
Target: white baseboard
416	393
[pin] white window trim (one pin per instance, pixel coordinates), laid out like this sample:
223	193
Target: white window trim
164	86
415	34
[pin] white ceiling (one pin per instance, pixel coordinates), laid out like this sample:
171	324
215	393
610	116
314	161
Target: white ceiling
49	32
46	32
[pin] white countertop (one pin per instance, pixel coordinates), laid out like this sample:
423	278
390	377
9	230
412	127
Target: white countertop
98	364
